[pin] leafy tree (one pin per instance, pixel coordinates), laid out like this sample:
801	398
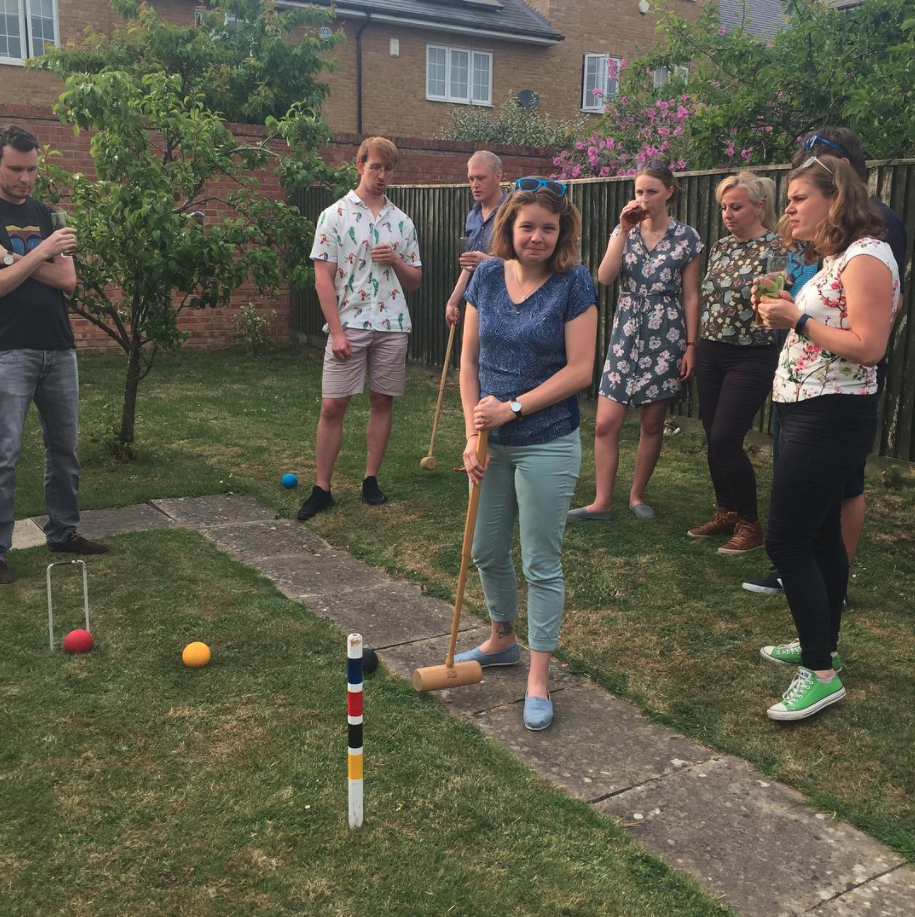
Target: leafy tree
157	98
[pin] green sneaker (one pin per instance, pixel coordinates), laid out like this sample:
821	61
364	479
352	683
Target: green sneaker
806	695
790	654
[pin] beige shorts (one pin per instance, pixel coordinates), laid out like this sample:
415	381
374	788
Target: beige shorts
382	353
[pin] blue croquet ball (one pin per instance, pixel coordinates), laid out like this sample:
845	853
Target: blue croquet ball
290	481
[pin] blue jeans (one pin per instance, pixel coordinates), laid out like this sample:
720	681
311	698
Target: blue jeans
532	484
50	379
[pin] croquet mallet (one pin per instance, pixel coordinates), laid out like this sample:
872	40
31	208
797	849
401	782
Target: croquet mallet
430	462
457	674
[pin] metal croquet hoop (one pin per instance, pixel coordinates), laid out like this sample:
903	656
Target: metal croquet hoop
66	563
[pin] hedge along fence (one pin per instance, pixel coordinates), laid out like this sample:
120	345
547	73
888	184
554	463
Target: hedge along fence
438	212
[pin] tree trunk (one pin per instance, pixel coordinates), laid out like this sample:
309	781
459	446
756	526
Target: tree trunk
131	384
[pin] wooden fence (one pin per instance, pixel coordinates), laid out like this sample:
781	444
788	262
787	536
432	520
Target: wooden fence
438	212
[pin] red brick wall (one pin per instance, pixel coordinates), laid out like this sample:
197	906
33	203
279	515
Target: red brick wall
422	162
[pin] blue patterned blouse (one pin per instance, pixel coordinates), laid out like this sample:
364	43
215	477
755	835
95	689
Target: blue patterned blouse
522	345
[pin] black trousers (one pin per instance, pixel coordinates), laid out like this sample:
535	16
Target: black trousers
823	441
733	384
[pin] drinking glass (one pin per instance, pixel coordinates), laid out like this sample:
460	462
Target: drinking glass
59	220
771	284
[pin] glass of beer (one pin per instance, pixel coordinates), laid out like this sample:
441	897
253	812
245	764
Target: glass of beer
60	219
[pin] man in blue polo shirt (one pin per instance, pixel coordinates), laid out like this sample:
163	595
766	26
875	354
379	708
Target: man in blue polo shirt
484	172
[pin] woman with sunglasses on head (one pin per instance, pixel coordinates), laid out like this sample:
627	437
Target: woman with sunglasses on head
528	349
826	390
652	349
737	358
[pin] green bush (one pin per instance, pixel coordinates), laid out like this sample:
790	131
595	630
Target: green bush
511	124
254	329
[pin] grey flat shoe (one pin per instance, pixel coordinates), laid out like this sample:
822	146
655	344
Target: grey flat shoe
582	515
642	510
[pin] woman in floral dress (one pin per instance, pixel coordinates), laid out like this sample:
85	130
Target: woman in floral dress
826	390
652	349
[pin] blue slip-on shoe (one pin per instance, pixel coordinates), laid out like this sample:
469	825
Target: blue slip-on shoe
583	515
511	656
642	510
538	712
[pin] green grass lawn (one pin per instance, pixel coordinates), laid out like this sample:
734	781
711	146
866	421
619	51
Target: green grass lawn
131	785
651	615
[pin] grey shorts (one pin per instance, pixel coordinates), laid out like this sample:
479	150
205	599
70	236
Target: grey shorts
382	353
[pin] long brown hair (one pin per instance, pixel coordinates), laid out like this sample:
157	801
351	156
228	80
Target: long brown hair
851	216
565	255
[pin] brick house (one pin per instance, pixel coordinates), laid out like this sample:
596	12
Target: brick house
405	62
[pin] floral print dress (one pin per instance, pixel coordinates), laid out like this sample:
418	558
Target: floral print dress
649	328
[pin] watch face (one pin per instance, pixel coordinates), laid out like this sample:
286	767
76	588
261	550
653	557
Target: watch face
8	259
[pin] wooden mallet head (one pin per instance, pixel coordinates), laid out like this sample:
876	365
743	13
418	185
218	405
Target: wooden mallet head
430	463
439	677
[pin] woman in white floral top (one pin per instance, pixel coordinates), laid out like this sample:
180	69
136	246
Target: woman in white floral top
826	390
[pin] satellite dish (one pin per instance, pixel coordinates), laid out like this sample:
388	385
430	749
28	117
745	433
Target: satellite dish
325	33
527	98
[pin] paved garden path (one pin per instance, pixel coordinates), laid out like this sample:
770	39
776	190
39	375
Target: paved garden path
751	842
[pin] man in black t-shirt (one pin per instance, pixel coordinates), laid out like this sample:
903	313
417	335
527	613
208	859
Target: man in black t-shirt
37	352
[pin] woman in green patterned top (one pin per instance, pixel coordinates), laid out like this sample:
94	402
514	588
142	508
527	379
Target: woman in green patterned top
736	358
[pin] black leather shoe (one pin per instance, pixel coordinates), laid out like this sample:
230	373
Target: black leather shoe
372	493
319	501
6	577
78	544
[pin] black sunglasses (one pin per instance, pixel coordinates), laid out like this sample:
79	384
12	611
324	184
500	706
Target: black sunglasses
657	165
533	184
812	141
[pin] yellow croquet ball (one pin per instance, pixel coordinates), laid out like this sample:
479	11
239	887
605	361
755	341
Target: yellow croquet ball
196	655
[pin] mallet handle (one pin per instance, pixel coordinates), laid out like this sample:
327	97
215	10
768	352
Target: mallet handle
441	388
469	525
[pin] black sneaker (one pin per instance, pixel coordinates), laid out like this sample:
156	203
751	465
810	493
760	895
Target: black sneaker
319	501
6	577
770	585
78	544
372	493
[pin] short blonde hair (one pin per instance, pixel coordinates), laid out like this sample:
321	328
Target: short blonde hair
380	147
758	188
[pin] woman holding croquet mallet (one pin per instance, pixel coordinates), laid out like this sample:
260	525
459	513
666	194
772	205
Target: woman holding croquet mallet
826	390
528	349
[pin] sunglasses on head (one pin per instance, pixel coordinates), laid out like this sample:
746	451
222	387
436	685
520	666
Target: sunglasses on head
811	142
533	184
657	165
815	159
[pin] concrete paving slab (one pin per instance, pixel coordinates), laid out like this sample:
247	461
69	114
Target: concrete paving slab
890	895
221	509
251	541
597	745
330	572
27	534
750	841
388	614
101	523
501	684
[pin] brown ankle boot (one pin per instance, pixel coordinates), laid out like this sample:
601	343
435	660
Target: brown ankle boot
724	522
748	536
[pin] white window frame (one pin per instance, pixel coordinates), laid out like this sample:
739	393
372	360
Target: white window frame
25	33
609	88
665	72
472	54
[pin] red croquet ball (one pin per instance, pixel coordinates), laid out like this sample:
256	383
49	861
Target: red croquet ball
78	641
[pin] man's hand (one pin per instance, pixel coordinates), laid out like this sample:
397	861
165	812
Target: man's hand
452	314
384	254
340	345
63	240
470	261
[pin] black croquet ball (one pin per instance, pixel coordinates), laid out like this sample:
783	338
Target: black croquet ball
369	661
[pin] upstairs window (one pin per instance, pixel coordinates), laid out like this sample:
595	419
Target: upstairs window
597	84
459	75
662	75
27	29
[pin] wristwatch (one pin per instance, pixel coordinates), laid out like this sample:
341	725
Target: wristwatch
516	408
8	260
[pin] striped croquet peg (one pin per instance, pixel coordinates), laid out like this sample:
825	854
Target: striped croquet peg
354	719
